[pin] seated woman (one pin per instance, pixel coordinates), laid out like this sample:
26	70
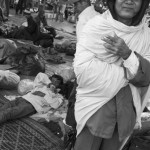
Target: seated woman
40	19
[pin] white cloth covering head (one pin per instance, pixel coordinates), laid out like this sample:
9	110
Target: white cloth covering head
99	74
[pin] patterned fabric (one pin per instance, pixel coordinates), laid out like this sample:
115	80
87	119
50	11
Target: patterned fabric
27	134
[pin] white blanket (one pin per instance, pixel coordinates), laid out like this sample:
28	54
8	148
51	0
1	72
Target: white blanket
100	75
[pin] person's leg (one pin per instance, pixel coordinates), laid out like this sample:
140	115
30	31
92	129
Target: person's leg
18	7
112	143
2	3
1	14
21	6
60	16
86	141
70	117
16	109
7	7
24	4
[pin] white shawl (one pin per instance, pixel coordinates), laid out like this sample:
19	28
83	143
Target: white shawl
99	74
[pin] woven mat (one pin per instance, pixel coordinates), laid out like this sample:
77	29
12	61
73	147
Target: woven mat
26	134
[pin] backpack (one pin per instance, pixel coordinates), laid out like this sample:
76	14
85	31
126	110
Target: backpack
26	59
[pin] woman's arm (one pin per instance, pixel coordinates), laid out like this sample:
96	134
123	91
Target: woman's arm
117	46
142	77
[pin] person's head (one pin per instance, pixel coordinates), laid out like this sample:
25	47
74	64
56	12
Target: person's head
80	5
57	80
129	12
98	6
27	13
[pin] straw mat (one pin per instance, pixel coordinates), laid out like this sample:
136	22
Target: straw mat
26	134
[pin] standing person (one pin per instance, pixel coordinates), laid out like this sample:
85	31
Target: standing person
4	4
7	6
66	13
106	112
62	12
20	6
2	18
85	12
57	10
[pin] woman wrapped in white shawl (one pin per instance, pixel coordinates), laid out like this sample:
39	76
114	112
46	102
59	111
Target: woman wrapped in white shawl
106	61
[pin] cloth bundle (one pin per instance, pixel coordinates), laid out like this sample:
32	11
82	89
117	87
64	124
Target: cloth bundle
8	80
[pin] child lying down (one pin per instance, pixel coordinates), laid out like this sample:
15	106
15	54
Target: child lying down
40	99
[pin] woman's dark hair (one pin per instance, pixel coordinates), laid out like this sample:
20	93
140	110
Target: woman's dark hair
137	19
58	77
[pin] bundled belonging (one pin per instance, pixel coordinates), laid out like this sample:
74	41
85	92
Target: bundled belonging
25	86
67	47
25	58
56	59
7	29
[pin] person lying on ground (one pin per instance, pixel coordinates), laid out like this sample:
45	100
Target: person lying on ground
40	99
31	32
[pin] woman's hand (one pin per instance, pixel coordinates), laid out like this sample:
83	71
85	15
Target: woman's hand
116	46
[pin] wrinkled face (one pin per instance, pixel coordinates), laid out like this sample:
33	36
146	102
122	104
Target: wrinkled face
127	9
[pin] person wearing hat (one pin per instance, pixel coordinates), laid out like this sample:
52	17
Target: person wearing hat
112	67
84	11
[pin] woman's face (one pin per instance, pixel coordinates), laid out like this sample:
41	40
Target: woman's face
127	9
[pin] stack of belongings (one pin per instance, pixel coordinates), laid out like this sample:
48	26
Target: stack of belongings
66	46
6	29
22	56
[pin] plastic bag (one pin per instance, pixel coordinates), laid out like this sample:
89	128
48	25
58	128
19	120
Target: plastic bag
25	86
8	79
